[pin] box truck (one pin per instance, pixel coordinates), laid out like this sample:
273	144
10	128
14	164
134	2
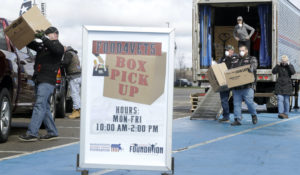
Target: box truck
278	24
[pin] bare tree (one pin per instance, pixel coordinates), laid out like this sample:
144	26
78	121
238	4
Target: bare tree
181	65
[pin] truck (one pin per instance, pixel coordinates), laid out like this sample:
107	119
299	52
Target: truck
277	21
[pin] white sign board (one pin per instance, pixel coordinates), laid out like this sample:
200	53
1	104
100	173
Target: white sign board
127	98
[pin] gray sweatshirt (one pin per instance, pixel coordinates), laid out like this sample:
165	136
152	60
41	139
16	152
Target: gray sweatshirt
241	32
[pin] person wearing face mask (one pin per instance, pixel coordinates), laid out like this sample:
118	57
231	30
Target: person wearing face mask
240	33
224	95
284	86
244	92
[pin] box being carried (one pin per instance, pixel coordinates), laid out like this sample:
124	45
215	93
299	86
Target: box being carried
21	31
216	77
239	76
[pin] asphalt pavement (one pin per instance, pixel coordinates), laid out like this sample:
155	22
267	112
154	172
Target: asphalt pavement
69	130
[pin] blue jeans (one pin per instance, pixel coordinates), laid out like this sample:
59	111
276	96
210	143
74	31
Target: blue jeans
283	104
225	105
75	92
238	96
41	111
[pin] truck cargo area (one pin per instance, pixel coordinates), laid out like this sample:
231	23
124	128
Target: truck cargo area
217	21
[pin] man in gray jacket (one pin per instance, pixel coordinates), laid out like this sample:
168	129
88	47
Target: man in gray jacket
72	64
240	33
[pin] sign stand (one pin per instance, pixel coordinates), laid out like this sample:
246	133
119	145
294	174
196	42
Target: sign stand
86	172
172	168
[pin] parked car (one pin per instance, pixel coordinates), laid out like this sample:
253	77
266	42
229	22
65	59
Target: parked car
16	85
182	83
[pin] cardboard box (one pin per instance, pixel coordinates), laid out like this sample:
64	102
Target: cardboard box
219	32
135	78
239	76
21	31
216	77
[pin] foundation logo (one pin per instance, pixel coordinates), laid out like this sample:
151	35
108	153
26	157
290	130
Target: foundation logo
146	149
116	148
100	147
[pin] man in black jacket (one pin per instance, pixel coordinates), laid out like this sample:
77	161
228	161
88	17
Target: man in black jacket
224	95
284	86
244	92
48	58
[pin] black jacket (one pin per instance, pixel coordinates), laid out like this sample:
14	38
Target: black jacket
284	84
227	60
47	61
253	66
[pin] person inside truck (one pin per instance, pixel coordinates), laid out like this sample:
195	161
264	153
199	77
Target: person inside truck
48	58
284	86
256	42
244	92
224	95
240	33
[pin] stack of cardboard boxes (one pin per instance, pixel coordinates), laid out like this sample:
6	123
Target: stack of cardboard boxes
222	79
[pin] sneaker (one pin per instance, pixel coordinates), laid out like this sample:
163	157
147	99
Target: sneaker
75	114
224	120
254	119
236	123
27	138
48	137
285	116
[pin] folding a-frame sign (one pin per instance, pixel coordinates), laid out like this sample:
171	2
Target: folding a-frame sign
127	98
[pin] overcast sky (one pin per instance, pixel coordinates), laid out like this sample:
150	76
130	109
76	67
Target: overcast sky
69	16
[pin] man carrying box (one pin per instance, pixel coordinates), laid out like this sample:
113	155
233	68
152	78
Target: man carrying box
224	95
244	92
48	58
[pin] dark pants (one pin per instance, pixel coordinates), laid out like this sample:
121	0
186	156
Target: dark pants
225	104
245	43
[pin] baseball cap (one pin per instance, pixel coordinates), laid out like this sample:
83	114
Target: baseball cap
51	30
229	47
239	18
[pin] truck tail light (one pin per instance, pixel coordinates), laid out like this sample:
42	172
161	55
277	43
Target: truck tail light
260	77
266	77
203	77
58	77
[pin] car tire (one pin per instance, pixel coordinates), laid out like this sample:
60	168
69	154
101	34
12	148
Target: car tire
5	114
52	108
61	106
69	105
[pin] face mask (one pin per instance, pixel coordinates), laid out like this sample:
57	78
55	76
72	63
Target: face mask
226	53
242	53
240	25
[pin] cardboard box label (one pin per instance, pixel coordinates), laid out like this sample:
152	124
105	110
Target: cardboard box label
239	76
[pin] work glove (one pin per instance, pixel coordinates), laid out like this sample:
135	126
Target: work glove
39	34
